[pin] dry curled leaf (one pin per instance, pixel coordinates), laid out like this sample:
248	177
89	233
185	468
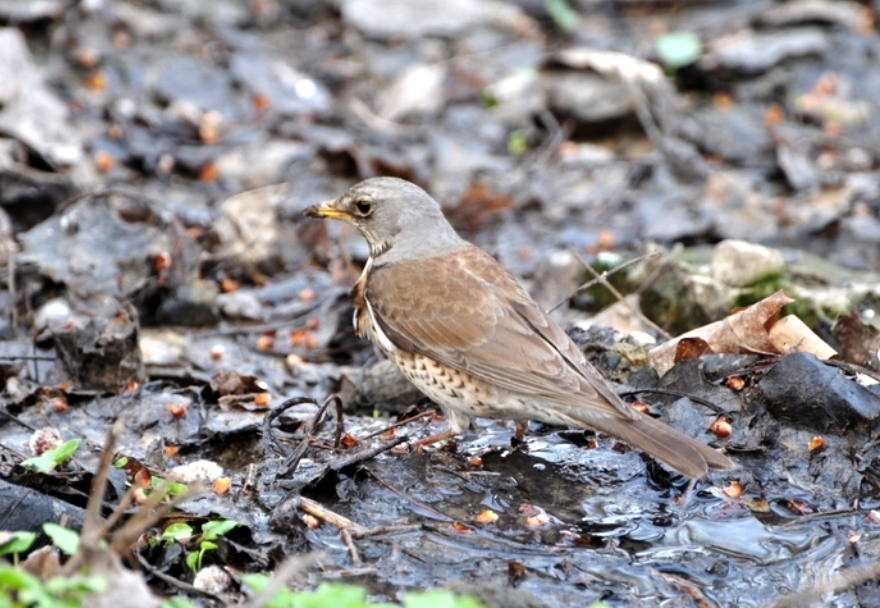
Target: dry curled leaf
233	383
350	441
516	573
744	331
791	335
478	206
691	348
860	342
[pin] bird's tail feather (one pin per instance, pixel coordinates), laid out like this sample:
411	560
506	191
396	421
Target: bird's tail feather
670	446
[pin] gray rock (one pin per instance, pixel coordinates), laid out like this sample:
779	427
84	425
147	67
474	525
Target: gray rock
740	263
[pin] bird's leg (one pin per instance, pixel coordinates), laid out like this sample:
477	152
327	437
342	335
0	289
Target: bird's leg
458	424
687	494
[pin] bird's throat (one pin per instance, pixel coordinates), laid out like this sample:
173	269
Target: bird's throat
377	249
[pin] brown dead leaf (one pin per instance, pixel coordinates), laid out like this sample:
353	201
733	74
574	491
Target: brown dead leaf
44	563
691	348
478	206
745	331
233	383
516	573
249	402
859	341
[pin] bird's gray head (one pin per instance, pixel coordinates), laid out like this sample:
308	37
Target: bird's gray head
392	214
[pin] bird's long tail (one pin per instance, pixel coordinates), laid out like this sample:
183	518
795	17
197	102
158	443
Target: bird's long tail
670	446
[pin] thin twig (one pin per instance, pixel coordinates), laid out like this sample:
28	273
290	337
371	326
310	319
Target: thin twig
621	298
818	515
399	424
174	582
659	269
5	413
845	579
90	533
150	513
8	240
352	548
313	507
337	436
292	461
853	368
666	391
603	277
118	512
274	413
348	459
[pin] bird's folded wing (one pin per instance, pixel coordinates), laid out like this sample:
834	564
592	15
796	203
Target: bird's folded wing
469	314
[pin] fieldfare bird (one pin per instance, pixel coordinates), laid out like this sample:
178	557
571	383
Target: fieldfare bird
468	336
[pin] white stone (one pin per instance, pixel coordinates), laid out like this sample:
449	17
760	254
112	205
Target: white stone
740	263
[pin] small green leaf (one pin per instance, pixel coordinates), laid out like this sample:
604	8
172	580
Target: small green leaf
61	586
563	16
179	532
120	462
207	545
50	459
488	98
41	463
64	539
36	597
440	598
516	143
177	488
192	561
64	451
255	582
284	598
176	602
15	578
19	542
336	595
212	530
678	49
169	487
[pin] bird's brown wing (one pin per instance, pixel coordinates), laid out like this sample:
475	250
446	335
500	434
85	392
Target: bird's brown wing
467	312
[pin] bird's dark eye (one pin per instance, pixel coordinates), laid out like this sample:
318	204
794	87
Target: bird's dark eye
363	206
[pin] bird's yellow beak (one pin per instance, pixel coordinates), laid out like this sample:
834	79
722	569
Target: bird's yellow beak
326	209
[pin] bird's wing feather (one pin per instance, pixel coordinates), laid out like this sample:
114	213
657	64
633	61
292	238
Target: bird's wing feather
478	319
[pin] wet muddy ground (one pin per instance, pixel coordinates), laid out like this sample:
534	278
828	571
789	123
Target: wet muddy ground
155	158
